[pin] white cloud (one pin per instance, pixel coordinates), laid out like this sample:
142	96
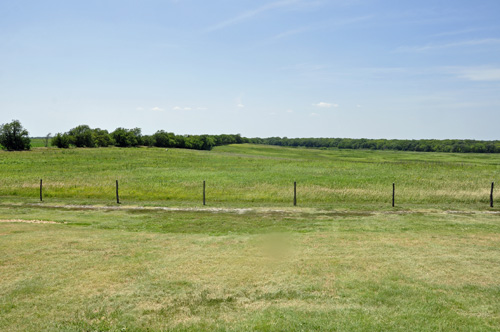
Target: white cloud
240	105
252	13
457	32
325	105
201	108
179	108
479	73
472	42
289	111
358	106
322	25
156	109
314	114
140	108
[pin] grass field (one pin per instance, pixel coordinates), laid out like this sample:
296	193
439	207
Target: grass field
342	260
38	142
249	175
135	270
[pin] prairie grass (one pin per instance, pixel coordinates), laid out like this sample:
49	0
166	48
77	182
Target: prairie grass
343	260
38	142
250	175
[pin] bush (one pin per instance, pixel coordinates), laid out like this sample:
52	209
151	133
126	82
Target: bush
61	141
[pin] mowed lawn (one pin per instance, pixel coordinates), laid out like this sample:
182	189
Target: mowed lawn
250	176
342	260
294	270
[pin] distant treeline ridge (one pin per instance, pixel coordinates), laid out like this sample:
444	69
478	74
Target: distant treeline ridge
424	145
85	137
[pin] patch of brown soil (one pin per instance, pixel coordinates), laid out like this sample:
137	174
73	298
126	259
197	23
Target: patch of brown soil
29	221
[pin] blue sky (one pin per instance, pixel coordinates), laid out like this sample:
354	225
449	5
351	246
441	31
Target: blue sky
295	68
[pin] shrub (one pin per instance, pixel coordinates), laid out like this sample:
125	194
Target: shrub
61	141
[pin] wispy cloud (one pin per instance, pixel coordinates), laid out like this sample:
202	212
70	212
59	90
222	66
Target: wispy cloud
239	101
325	105
457	32
186	108
428	47
157	109
323	25
307	67
471	73
251	14
478	73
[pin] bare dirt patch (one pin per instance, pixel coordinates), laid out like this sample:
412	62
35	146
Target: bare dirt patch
259	210
28	221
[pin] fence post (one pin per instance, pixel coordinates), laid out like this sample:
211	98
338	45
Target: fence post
117	196
295	193
41	188
203	192
393	193
491	194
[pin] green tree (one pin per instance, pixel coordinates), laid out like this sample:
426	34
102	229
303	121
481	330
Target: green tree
14	137
82	137
148	140
61	141
102	138
127	137
208	142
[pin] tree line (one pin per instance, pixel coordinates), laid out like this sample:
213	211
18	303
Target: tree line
85	137
14	137
423	145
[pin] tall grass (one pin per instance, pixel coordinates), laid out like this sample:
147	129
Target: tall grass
251	175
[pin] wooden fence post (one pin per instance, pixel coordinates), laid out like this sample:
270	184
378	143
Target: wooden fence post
295	193
41	188
117	196
393	193
203	192
491	194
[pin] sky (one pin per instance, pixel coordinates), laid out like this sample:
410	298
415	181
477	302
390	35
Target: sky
294	68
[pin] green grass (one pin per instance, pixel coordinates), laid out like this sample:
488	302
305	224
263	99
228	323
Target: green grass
142	270
342	260
251	176
38	142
